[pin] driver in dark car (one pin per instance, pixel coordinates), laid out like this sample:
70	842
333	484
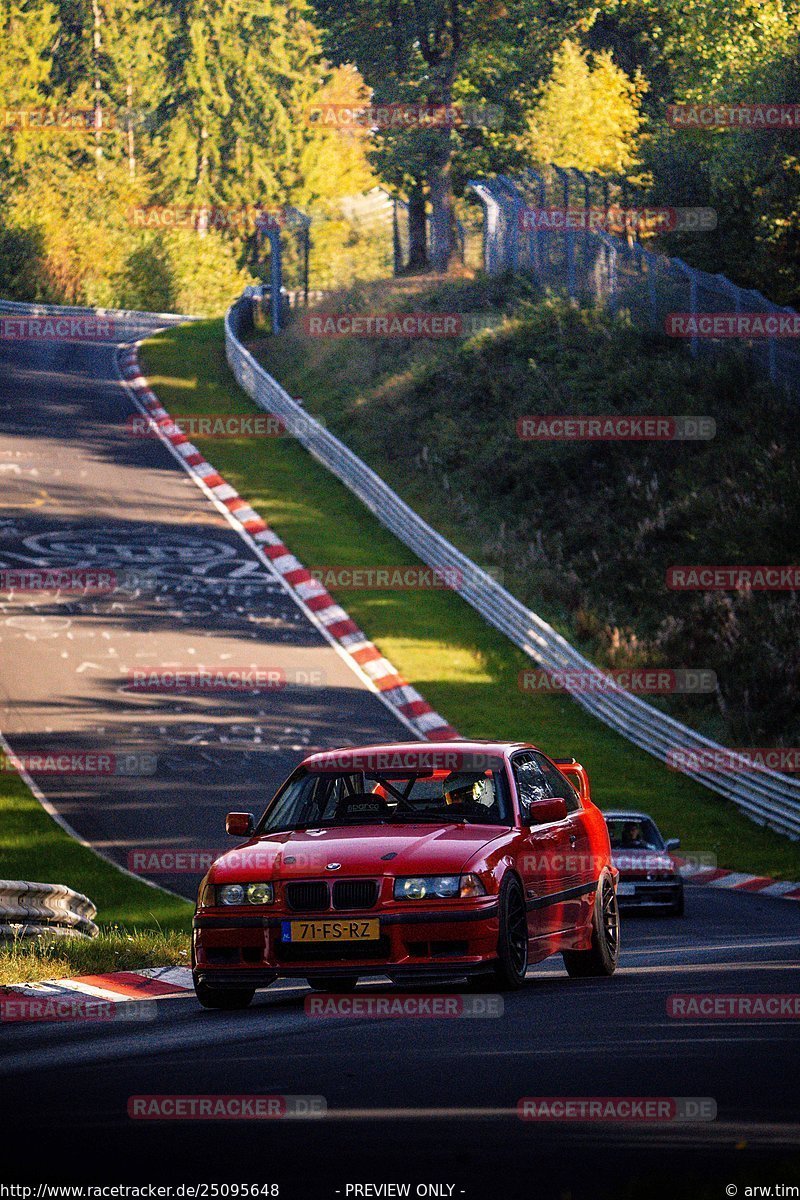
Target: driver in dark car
632	837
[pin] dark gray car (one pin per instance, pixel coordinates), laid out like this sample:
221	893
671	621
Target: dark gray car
648	874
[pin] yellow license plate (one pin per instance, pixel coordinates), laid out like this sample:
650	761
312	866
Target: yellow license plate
331	931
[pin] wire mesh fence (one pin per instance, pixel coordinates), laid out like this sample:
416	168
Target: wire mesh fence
581	235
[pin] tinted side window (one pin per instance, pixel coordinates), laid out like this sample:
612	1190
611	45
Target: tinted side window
557	783
531	782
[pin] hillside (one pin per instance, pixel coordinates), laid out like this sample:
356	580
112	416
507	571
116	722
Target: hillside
583	531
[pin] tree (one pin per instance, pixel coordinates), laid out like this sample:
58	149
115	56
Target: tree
440	52
588	114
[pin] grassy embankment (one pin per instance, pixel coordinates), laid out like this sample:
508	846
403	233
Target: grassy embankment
140	926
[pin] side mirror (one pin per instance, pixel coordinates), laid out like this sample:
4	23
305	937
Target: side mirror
673	843
239	824
540	812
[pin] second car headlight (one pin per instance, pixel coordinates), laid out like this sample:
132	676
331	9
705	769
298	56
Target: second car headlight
245	893
442	887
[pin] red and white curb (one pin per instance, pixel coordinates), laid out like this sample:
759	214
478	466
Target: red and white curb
153	983
738	881
364	656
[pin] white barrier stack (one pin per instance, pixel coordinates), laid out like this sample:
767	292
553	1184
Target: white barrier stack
766	796
33	909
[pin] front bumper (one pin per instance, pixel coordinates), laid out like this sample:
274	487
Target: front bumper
243	949
647	893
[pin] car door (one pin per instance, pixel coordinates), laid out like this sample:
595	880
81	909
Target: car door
545	850
581	869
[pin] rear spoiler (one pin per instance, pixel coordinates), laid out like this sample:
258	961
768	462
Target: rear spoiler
577	776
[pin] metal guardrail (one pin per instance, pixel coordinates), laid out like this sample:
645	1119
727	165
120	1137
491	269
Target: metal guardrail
127	323
33	909
766	796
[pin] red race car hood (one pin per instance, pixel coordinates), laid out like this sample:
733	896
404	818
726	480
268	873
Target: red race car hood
413	849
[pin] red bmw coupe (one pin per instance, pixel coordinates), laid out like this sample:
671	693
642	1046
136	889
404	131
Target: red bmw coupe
417	861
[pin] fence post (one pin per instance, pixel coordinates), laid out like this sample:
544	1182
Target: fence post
275	275
491	210
611	260
396	246
587	187
537	241
652	267
569	241
694	344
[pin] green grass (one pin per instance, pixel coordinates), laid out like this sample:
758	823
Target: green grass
29	960
466	669
34	847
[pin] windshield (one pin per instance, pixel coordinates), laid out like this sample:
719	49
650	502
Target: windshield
634	833
315	800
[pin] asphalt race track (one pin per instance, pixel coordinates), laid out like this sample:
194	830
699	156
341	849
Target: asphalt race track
76	489
417	1101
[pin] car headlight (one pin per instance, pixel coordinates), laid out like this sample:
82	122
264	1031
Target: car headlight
442	887
259	893
245	893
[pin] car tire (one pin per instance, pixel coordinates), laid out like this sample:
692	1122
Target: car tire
679	907
339	983
223	998
603	955
512	942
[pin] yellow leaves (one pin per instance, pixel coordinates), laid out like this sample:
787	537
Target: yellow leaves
588	114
